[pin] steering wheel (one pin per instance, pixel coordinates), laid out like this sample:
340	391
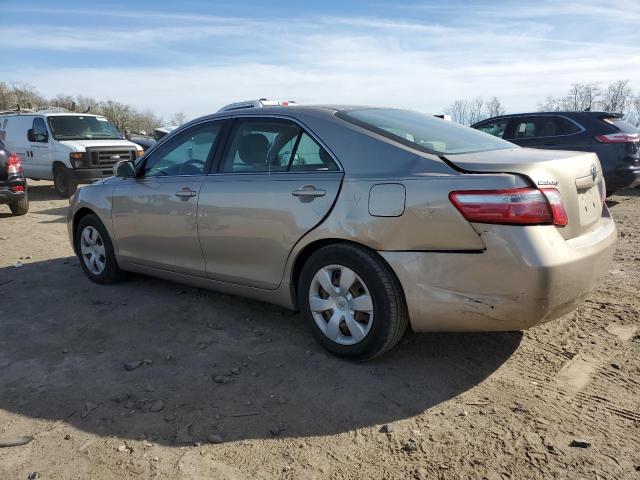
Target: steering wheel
193	163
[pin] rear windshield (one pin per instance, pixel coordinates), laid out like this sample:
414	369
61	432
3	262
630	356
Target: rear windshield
624	127
77	127
424	132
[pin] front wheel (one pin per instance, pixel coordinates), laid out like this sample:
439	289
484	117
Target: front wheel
352	301
95	251
64	182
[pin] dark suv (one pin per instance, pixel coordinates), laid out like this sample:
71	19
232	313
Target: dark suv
13	185
616	142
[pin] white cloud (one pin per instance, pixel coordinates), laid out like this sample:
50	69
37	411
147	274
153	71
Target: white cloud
361	60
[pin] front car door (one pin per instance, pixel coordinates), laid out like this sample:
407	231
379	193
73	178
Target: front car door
39	151
154	214
274	183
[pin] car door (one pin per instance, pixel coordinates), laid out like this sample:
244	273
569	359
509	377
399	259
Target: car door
274	182
154	214
39	152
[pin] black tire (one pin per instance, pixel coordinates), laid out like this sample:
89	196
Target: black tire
64	182
390	319
20	207
111	272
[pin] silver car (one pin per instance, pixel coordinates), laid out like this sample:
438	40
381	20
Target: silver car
368	220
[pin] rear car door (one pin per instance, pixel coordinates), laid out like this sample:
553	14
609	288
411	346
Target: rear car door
154	214
274	182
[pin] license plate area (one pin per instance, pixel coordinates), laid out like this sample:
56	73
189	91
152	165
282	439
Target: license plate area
589	206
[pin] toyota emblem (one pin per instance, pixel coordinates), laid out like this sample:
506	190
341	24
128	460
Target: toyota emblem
594	172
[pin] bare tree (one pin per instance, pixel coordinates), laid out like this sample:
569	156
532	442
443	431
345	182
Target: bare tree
63	101
550	104
634	115
468	112
617	97
26	95
494	107
144	121
459	111
119	113
178	118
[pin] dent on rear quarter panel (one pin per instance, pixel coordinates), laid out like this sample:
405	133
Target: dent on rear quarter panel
429	220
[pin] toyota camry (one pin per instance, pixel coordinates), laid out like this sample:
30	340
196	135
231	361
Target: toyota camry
367	220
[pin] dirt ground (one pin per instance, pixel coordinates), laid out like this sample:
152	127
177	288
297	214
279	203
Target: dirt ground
220	387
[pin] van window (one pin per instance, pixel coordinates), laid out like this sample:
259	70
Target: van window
80	127
40	130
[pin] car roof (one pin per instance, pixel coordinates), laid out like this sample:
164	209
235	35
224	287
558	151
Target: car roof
564	113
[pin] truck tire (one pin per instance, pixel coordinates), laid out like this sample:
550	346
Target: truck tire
20	207
63	182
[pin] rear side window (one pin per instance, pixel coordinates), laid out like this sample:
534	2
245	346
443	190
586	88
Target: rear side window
273	145
624	127
423	132
524	128
555	126
496	128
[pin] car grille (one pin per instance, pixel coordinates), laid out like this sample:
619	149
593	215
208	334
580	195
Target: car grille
105	158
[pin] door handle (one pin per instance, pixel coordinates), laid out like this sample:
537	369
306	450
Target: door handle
185	192
308	191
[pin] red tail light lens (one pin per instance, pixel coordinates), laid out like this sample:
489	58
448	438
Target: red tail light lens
517	206
14	167
17	189
618	138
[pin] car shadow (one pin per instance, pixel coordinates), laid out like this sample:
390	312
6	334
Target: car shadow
41	193
153	359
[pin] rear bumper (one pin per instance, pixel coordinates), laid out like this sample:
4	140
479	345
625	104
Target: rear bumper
526	276
624	177
7	196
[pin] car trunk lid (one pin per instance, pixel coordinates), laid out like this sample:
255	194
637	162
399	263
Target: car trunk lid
576	175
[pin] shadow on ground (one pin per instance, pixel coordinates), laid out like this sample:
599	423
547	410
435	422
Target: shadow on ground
64	343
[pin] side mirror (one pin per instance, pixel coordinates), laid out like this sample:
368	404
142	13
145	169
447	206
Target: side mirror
31	135
124	169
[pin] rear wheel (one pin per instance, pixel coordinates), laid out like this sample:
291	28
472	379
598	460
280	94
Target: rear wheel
20	207
95	251
352	302
63	182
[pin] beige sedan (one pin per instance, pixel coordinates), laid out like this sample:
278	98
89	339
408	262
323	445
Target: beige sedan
368	220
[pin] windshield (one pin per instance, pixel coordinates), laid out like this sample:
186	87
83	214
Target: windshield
424	132
77	127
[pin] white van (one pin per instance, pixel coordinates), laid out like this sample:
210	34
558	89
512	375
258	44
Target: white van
66	147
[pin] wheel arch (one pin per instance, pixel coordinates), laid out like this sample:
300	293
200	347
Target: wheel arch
316	245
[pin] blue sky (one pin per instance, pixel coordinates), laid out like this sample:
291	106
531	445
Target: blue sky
195	56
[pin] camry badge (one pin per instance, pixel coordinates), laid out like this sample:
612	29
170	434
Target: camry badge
594	171
548	182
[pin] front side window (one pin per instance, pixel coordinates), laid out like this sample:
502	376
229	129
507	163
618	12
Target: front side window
40	133
80	127
186	154
273	145
496	128
423	132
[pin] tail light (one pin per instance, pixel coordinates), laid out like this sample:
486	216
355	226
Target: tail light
618	138
14	167
517	206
